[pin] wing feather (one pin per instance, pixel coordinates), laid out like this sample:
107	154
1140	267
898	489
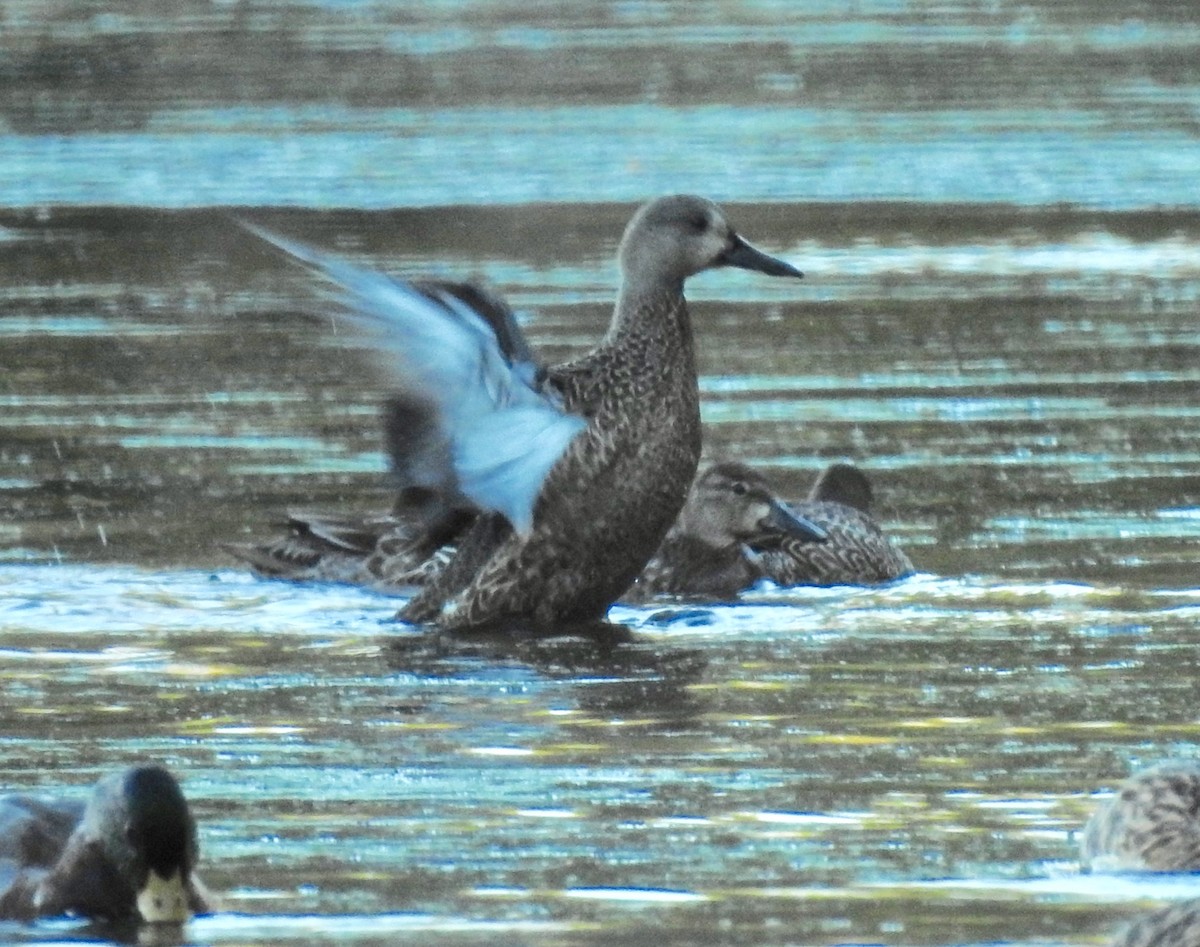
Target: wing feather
505	430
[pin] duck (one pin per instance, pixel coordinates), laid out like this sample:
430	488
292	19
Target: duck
1177	925
402	548
707	552
576	471
733	532
127	853
390	552
856	550
1151	824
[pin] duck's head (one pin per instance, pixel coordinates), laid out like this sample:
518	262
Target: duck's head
845	484
731	504
672	238
159	841
132	856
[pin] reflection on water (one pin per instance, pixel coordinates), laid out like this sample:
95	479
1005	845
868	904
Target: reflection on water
523	156
906	764
382	104
996	210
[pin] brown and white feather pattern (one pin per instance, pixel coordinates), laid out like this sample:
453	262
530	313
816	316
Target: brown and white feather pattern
1151	824
637	457
706	553
684	567
1175	926
383	551
857	551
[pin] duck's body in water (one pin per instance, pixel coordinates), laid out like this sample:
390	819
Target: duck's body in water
708	553
734	531
127	855
856	550
393	552
578	470
1151	824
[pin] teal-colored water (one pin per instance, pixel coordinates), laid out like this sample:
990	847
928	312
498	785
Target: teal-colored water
503	155
902	765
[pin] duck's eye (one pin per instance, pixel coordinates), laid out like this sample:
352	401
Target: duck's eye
740	489
698	222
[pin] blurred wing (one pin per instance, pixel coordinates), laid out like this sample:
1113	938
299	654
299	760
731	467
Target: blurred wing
504	432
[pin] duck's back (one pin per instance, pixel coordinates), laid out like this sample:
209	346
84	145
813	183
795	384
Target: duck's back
33	834
688	568
1151	824
857	552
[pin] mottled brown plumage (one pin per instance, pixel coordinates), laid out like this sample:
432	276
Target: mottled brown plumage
1151	824
857	551
720	544
1175	926
316	547
608	501
706	554
394	551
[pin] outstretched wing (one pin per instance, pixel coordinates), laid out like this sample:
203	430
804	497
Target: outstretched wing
470	364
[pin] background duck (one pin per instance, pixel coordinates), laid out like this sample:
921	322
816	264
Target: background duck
706	553
1177	925
578	470
394	551
1151	824
856	551
127	854
733	531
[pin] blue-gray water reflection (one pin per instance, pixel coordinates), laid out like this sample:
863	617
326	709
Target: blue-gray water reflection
385	104
910	760
521	156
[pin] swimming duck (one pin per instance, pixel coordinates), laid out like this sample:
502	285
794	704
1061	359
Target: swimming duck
318	547
707	552
1151	824
127	854
856	551
578	469
1177	925
394	551
723	542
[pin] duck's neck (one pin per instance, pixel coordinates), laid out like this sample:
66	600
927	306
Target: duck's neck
698	567
657	311
693	545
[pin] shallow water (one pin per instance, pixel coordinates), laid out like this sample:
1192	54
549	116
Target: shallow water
902	765
996	210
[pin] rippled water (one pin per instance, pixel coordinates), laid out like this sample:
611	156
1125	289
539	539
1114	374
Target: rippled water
902	765
482	101
996	209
